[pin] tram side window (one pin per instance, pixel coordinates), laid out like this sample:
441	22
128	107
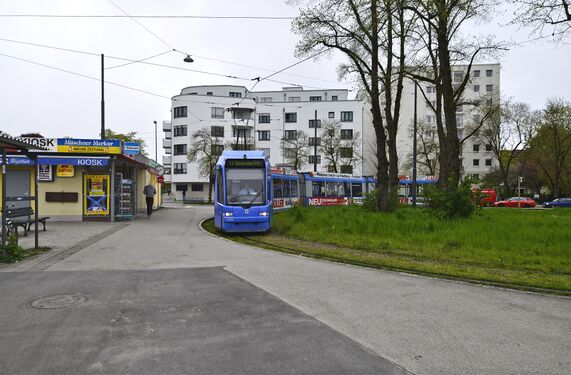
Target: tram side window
293	189
332	189
286	188
278	188
347	189
357	190
318	189
220	187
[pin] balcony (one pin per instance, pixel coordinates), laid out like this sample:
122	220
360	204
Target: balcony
167	126
167	143
166	160
168	135
168	151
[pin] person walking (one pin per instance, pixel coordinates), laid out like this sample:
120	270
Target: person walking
150	192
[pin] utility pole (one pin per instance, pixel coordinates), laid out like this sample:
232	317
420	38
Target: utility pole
102	98
315	142
414	148
156	152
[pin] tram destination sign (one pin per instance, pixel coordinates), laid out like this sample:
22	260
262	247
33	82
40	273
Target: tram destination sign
245	163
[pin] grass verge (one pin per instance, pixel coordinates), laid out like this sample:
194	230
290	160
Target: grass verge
523	249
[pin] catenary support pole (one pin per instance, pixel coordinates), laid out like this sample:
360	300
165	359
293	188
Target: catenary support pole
113	192
315	142
36	207
102	97
4	162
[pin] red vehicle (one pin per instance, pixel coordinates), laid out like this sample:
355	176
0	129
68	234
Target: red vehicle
516	202
488	197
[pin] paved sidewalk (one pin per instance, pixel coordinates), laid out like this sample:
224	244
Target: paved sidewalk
59	237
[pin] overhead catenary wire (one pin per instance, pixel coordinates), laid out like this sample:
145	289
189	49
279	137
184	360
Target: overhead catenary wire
156	16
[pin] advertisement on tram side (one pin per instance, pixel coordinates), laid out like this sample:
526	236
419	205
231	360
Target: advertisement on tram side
329	201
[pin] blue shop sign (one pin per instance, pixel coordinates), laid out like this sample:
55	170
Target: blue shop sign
18	160
79	161
131	148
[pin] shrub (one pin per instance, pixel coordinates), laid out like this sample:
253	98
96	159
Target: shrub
455	201
12	252
371	199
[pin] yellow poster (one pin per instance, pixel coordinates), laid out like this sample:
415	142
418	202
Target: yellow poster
96	195
65	171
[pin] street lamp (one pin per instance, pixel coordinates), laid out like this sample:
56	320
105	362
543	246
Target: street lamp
414	187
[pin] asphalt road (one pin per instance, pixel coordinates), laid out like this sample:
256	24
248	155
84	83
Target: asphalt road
425	325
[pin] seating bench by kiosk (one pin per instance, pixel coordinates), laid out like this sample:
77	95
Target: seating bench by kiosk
23	217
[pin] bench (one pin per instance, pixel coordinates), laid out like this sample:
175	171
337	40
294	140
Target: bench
23	217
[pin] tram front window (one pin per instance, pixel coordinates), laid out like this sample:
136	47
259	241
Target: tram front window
245	187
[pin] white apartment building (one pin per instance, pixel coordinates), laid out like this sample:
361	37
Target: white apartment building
484	84
274	115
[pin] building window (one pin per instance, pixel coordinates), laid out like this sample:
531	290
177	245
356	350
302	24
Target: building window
264	135
209	93
242	132
216	149
267	99
313	122
346	133
242	115
315	98
294	99
290	135
289	153
334	98
179	130
312	159
430	89
488	147
459	121
264	118
346	152
217	131
330	169
217	112
347	169
235	94
476	73
488	162
197	187
180	149
459	108
476	162
488	101
291	117
180	112
489	72
458	76
476	88
476	176
181	187
476	148
331	115
312	141
179	168
489	88
347	116
431	119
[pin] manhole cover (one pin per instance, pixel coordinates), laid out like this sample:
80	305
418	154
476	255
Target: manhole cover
58	301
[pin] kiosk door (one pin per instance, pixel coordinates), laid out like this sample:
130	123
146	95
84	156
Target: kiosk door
18	186
96	195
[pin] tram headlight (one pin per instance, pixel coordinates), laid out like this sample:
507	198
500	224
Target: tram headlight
263	213
228	214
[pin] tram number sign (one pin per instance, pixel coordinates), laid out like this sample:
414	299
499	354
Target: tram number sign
245	163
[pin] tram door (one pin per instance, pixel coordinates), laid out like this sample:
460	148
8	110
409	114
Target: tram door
18	185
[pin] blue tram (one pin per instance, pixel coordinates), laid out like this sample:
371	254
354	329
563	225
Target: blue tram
243	195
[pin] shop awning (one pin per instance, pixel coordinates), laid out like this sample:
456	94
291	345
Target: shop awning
85	161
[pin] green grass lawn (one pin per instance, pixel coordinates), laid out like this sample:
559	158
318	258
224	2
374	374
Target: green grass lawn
522	248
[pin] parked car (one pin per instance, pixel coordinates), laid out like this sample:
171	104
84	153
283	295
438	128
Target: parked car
522	202
560	202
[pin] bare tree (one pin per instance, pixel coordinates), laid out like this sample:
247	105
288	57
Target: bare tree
295	148
509	130
340	147
372	35
427	152
205	149
545	17
441	47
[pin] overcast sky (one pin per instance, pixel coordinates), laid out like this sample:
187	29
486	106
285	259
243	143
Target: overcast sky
35	98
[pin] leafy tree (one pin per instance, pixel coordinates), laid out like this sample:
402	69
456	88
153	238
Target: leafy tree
339	150
296	148
372	35
551	146
127	137
545	17
205	149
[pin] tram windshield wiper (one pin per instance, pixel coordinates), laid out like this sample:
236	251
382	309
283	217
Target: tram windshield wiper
249	204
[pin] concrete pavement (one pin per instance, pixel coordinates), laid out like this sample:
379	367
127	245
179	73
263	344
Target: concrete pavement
426	325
